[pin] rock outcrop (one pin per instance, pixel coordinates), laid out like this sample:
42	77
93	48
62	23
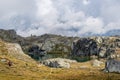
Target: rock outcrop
13	50
58	63
11	36
112	66
99	46
55	44
61	45
84	47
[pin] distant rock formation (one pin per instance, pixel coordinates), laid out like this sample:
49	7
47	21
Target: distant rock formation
10	35
56	44
52	44
100	46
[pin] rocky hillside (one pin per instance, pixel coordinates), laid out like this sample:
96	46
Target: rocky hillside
52	44
15	65
62	46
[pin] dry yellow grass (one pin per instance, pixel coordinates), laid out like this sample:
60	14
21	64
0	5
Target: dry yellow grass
23	70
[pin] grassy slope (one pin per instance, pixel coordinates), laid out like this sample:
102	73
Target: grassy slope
22	70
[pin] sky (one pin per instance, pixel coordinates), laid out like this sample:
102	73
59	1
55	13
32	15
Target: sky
63	17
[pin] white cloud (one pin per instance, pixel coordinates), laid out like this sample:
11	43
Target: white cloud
22	7
94	25
110	10
66	17
86	2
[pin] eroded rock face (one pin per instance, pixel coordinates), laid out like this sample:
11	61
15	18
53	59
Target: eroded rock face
99	46
84	47
112	66
58	63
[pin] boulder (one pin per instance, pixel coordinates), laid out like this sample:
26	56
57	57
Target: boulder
97	63
84	47
112	66
58	63
102	47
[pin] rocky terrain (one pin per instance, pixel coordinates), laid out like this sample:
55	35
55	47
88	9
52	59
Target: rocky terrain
15	65
102	47
61	46
103	54
52	44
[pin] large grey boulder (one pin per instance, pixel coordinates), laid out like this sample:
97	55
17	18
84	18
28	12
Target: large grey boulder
84	47
102	47
112	66
58	63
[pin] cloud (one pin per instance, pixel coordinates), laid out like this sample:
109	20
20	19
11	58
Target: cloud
14	7
110	10
94	25
65	17
86	2
13	12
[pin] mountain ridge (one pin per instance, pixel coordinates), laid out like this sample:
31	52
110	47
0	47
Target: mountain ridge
54	45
